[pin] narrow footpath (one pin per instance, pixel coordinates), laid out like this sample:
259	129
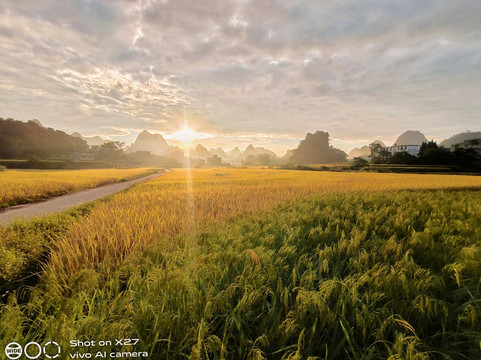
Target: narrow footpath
65	202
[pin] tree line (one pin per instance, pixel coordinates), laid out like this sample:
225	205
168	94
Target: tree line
29	140
430	153
21	140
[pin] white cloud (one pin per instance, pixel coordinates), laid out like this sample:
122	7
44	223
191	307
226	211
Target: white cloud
355	69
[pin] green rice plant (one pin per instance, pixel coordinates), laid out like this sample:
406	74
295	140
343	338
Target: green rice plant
25	245
345	275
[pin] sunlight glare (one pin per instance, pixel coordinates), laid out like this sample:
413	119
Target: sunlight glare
186	135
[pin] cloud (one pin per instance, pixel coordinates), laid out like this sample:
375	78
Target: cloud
356	69
115	91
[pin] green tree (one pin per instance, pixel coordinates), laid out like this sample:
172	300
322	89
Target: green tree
359	163
111	151
427	146
379	154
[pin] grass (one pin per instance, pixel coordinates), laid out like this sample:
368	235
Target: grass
25	186
253	264
25	247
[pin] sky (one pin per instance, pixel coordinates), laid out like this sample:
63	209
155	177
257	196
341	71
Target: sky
264	72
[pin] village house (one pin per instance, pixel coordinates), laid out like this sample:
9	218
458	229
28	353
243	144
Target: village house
410	149
82	156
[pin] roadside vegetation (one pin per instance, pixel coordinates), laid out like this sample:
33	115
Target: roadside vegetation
25	186
257	263
25	247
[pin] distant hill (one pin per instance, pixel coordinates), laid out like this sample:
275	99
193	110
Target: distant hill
91	140
20	140
219	152
200	152
248	151
459	138
261	150
235	156
155	143
411	137
234	153
315	149
286	158
363	152
176	149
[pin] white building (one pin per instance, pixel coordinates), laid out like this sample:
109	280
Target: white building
410	149
84	156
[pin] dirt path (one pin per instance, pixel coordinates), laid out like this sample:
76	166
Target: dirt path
64	202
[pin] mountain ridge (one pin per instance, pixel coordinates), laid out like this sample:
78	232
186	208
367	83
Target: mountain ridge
146	141
91	140
460	137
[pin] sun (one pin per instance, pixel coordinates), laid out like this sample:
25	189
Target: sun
186	135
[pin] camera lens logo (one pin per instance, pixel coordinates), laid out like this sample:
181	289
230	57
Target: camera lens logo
13	350
56	348
28	351
33	350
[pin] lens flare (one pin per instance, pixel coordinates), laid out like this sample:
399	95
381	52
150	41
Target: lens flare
186	135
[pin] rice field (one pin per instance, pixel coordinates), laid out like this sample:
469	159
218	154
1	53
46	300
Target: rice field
24	186
182	201
262	264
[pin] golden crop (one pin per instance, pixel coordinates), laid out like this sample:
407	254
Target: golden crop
30	185
355	269
183	201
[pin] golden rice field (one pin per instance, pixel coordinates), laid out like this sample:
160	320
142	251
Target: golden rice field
17	187
183	201
255	264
